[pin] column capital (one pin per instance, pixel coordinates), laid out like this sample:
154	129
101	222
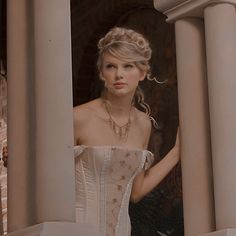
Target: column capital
176	9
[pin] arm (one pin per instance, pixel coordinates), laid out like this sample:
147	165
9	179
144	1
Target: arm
80	118
146	181
76	125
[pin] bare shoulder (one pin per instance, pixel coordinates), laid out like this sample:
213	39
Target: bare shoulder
84	116
83	113
144	126
143	121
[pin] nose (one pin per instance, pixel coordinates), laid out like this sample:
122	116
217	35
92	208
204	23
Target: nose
119	73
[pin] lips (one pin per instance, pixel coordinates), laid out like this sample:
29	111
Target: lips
119	85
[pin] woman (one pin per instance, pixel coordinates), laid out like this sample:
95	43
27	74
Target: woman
111	136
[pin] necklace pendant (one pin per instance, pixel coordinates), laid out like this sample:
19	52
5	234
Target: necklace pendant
121	132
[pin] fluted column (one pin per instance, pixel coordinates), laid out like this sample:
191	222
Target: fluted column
220	27
220	30
19	57
19	70
41	162
194	125
55	189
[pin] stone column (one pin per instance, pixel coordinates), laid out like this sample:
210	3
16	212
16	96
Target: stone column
41	155
19	62
55	188
40	129
220	27
194	127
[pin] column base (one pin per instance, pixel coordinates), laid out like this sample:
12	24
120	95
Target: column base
225	232
56	229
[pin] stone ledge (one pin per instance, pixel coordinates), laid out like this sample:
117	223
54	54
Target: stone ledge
164	5
177	9
56	229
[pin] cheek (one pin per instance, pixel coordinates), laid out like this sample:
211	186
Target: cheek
103	76
107	78
107	74
133	82
137	77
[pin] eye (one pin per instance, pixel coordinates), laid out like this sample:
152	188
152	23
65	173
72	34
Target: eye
128	66
109	66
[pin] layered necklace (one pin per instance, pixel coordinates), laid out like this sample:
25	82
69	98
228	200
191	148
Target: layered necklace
120	131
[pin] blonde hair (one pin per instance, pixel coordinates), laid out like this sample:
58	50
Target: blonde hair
130	46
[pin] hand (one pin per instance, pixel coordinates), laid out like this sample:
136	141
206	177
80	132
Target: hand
176	147
177	138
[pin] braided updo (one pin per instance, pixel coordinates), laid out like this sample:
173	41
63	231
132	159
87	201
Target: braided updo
130	46
127	45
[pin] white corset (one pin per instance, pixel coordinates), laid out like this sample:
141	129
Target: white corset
104	177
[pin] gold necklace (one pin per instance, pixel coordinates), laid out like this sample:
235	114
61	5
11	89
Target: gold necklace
120	131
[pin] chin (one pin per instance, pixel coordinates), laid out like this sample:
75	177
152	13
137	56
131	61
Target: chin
120	92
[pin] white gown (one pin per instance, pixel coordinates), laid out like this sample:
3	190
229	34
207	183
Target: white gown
104	177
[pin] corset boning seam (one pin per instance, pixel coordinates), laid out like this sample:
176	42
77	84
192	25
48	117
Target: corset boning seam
95	179
127	195
103	192
85	190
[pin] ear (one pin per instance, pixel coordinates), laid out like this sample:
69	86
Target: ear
142	75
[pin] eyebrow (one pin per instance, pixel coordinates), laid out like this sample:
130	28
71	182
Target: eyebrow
128	62
109	62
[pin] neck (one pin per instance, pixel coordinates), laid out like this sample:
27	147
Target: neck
119	115
120	104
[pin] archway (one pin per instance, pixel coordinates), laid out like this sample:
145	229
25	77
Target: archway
161	211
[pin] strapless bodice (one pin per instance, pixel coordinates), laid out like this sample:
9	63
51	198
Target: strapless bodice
104	177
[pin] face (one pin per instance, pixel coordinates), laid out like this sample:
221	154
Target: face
120	77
